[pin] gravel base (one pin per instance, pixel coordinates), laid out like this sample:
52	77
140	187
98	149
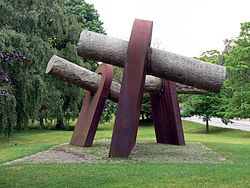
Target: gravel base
148	152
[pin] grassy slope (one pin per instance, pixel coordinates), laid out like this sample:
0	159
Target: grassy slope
232	144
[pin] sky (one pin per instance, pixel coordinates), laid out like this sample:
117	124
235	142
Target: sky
186	27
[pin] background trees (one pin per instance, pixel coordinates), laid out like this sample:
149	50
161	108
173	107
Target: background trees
234	99
238	82
39	29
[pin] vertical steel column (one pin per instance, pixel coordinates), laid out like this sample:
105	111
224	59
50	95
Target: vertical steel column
129	105
166	115
91	111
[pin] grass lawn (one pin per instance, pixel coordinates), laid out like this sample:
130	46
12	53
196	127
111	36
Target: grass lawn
234	145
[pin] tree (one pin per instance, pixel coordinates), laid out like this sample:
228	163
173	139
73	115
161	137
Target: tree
209	105
40	29
9	93
17	73
86	15
238	82
206	106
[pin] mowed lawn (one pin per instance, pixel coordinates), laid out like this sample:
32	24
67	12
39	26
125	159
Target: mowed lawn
234	145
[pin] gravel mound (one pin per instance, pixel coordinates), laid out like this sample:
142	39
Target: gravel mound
148	152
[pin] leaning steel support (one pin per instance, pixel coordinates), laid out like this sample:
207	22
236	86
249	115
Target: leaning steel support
166	115
92	108
129	105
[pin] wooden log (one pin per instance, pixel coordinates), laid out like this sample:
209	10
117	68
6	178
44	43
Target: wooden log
86	79
166	65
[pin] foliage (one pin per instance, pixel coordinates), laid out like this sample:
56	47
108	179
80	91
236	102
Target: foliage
238	83
86	15
206	106
146	111
9	89
7	113
39	29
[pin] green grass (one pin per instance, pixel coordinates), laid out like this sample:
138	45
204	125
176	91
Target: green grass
234	145
29	142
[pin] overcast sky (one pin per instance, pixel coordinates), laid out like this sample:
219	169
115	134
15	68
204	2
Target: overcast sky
186	27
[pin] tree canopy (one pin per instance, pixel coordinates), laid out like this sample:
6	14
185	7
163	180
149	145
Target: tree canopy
39	29
238	82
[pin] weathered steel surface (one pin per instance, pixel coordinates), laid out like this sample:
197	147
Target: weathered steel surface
92	108
129	105
86	79
166	115
166	65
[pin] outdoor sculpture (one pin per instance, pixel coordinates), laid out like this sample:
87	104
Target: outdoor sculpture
138	59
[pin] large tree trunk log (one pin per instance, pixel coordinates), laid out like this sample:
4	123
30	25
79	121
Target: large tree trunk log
166	65
79	76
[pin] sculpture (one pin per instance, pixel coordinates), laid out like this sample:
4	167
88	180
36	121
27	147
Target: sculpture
138	59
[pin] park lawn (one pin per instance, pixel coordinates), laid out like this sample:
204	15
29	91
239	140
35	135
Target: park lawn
32	141
234	145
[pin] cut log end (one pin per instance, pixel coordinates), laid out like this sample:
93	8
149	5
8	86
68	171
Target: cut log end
50	64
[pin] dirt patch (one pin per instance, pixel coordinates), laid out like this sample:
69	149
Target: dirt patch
148	152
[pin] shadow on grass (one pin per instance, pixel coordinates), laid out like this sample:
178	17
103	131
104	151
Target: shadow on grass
146	123
104	128
212	130
218	131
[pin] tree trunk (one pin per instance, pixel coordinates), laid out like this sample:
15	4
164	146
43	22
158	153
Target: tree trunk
166	65
59	123
207	126
142	116
19	121
9	127
79	76
41	123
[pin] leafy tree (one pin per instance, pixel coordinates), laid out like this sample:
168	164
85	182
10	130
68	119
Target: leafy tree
209	105
206	106
238	82
86	15
9	90
36	28
40	29
17	73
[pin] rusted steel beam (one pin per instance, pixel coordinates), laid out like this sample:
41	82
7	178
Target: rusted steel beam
91	111
166	115
129	105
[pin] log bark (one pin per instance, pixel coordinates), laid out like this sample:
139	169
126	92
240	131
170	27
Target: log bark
86	79
166	65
